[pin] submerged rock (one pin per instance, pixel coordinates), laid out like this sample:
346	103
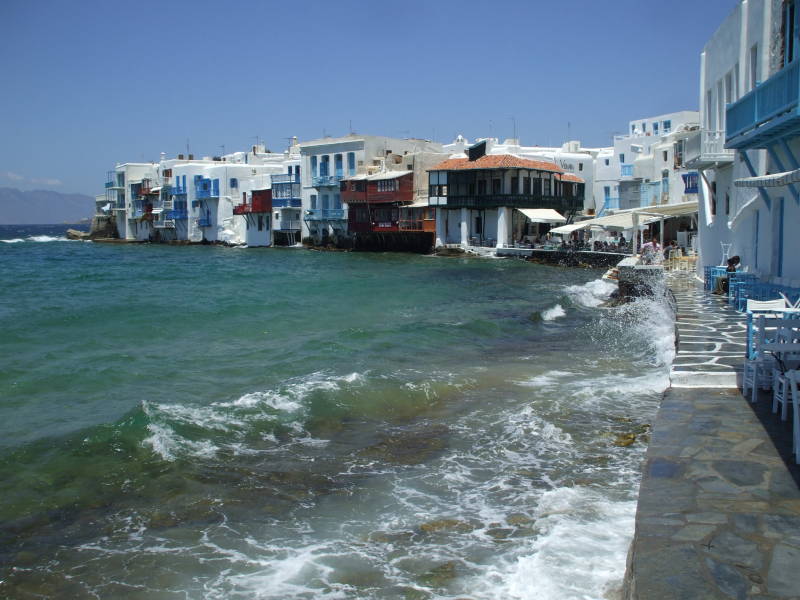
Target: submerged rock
446	525
625	439
409	448
441	575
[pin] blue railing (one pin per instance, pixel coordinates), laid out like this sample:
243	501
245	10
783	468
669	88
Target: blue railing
175	190
203	222
286	202
109	184
609	204
627	170
322	214
286	178
775	96
176	214
326	180
207	188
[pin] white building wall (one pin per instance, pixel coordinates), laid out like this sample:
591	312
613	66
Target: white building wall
727	73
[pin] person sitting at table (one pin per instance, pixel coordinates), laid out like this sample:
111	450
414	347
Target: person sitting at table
721	285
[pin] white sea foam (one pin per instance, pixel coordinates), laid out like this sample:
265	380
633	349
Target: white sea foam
592	293
46	238
14	241
169	445
553	313
546	380
579	554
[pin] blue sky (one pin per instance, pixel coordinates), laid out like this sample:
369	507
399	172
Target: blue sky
87	84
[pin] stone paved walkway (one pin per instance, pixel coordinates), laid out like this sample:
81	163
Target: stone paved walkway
719	504
711	337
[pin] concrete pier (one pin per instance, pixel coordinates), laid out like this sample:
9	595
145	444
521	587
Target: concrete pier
719	505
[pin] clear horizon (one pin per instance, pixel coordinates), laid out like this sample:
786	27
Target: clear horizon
95	83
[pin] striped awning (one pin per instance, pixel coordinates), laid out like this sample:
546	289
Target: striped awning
775	180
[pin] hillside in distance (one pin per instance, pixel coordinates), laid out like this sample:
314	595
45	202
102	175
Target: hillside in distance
43	207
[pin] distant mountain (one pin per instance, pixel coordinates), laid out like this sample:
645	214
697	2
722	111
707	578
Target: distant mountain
43	207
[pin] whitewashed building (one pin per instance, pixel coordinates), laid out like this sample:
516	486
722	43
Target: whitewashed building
750	195
324	163
649	158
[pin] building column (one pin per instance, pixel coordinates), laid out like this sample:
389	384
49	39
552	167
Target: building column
504	214
441	227
464	227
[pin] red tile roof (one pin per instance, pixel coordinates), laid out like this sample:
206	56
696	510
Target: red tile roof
495	161
569	177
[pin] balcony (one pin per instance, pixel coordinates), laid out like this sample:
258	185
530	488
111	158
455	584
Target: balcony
609	204
287	203
325	214
558	203
175	190
285	178
287	225
206	188
705	148
766	114
203	222
165	224
326	180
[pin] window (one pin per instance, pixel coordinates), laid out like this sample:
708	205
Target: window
337	164
234	182
313	166
633	129
607	161
727	203
787	32
324	166
713	198
644	127
313	201
482	187
337	201
351	163
665	155
526	186
260	223
655	128
515	185
621	158
753	70
580	166
497	186
546	186
325	202
387	185
607	192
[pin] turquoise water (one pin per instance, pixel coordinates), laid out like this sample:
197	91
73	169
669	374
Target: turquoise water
207	422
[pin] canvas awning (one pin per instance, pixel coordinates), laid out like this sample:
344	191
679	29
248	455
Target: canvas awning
418	204
564	229
624	219
542	215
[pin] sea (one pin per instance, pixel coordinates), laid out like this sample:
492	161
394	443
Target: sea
281	423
